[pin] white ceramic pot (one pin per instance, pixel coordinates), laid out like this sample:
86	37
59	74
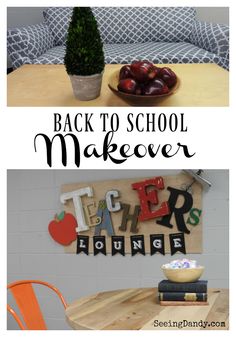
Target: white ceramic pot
86	88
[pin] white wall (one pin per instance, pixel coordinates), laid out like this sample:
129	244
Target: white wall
22	16
213	14
33	199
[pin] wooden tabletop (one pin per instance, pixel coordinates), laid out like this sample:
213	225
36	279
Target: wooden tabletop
49	85
135	309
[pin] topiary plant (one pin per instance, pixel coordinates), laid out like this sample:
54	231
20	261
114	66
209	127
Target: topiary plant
84	49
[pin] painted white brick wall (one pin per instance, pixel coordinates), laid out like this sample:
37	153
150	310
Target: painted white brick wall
33	199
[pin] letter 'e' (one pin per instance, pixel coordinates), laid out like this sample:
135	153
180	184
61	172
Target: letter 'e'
148	198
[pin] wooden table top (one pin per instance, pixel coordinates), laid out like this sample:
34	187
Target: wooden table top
135	309
49	85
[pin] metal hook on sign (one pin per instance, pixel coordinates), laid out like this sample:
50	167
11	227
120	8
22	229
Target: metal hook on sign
197	177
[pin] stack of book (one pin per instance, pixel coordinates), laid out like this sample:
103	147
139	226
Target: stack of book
191	293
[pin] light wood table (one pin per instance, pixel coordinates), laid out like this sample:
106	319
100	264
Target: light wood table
49	85
135	309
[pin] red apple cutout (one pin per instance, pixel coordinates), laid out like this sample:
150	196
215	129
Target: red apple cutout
63	228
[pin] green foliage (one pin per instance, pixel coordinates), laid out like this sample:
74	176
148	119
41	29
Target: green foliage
84	49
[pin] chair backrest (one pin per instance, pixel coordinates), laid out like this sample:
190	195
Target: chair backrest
28	305
17	318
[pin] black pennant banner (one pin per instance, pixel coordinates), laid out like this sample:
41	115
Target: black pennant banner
157	244
82	244
118	245
99	245
137	244
177	243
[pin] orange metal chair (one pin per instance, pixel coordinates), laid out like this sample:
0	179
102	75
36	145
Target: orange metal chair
27	303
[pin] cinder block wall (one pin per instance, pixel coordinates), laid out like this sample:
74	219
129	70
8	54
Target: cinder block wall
33	199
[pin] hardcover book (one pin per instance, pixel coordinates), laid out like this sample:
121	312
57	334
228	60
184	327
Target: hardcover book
192	287
182	303
182	296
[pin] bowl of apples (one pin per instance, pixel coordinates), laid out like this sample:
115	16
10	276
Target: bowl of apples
142	82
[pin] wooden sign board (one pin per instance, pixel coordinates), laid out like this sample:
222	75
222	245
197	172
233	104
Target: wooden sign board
193	241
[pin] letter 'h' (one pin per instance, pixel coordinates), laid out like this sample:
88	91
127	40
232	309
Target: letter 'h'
132	217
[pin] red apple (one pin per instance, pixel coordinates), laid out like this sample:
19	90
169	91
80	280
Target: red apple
143	71
125	72
168	76
63	228
156	87
156	70
138	90
128	85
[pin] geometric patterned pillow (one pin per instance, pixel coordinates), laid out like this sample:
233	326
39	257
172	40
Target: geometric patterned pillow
125	24
144	24
58	19
174	24
26	43
39	39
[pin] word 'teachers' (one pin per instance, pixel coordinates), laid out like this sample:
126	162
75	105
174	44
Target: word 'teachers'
68	131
